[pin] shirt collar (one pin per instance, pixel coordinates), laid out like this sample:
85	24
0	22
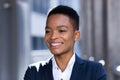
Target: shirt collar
71	62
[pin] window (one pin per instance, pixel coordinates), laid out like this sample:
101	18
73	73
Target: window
38	43
41	6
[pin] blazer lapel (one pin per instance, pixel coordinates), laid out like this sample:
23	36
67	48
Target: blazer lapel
45	72
77	69
48	71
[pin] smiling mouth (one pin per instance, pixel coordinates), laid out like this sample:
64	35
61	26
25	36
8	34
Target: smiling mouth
56	44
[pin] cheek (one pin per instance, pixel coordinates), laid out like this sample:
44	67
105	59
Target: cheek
45	38
46	41
69	38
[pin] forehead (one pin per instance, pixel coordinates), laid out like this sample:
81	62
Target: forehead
59	20
58	17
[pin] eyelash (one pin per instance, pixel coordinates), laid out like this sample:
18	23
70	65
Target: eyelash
61	31
47	31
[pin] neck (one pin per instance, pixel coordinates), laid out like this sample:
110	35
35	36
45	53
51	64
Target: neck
62	61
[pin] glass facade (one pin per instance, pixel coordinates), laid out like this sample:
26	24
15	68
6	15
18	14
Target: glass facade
38	43
41	6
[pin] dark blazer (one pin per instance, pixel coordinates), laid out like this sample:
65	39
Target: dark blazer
82	70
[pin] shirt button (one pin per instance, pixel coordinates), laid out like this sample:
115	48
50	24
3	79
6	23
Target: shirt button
61	79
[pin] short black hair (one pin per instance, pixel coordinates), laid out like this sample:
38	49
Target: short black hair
68	11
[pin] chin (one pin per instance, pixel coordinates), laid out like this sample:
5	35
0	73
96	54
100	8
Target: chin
56	53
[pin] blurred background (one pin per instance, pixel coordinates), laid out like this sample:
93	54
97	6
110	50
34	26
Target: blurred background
22	25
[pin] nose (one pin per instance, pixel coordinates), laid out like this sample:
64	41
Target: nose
54	35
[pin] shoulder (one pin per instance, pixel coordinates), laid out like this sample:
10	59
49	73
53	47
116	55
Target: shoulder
92	63
39	64
92	68
35	68
87	62
97	69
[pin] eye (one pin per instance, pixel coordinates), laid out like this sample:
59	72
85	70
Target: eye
62	30
47	31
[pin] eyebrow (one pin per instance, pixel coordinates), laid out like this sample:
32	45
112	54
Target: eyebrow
62	26
57	26
46	27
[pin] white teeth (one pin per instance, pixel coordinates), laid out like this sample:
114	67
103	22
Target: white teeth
55	44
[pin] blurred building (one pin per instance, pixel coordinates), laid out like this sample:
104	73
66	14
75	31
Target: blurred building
22	25
100	21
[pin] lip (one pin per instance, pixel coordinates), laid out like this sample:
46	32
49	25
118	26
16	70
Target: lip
56	44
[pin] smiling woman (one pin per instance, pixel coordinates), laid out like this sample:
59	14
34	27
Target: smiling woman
62	31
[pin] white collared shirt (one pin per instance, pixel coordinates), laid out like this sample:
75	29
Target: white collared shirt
66	74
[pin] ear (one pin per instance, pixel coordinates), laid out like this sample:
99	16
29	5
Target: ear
77	35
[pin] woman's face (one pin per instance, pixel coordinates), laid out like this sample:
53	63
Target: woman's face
60	35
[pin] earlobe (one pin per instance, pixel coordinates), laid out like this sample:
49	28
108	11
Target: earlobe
77	35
